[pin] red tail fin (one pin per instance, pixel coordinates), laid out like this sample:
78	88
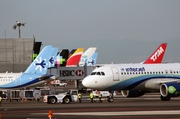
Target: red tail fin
157	55
74	59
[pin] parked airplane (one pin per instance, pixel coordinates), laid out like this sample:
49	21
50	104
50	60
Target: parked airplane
157	55
137	79
34	75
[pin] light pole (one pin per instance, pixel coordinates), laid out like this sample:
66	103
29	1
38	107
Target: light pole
18	24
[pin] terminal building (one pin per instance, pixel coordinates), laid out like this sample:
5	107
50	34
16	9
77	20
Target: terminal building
17	53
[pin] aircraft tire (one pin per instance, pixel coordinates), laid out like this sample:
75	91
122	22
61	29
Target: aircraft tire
167	98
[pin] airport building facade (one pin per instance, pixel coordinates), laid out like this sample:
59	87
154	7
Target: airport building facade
15	54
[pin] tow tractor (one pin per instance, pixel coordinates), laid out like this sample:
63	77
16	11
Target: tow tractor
72	96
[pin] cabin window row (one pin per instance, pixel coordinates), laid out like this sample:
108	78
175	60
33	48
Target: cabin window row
6	79
157	72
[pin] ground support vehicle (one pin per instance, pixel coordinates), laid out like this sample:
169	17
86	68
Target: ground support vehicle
30	95
4	94
14	95
67	97
105	95
72	96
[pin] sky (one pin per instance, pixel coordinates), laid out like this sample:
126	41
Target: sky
118	28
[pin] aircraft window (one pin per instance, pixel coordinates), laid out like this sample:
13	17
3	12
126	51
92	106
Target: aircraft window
133	73
141	72
136	73
127	73
144	72
130	73
162	72
121	73
124	73
11	79
98	73
177	72
93	73
150	72
102	73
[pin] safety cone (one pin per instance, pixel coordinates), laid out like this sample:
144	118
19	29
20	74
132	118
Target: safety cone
50	114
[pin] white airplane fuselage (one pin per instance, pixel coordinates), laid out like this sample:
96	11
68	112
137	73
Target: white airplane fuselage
132	76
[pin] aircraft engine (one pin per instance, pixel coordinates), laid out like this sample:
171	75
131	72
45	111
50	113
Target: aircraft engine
132	93
170	89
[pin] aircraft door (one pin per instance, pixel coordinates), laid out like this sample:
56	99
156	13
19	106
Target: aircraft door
115	74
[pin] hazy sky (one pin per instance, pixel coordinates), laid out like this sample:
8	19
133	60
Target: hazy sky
84	23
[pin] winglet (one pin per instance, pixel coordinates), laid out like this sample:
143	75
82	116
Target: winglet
157	55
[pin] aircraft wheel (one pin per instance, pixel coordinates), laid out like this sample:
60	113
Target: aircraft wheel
167	98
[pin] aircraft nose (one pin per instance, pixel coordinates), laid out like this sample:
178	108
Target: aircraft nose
85	82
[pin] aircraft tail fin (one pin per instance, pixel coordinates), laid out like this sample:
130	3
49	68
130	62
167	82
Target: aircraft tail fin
44	60
86	55
92	60
74	59
157	55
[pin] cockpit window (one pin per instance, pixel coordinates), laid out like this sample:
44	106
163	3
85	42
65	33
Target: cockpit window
98	73
102	73
93	73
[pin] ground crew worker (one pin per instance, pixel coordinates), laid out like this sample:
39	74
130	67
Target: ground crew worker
80	97
91	97
100	96
0	100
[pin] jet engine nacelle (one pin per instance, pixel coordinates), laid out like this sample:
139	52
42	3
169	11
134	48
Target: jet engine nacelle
170	89
132	93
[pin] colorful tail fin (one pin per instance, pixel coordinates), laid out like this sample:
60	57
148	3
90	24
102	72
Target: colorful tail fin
62	58
86	55
75	57
157	55
41	62
92	60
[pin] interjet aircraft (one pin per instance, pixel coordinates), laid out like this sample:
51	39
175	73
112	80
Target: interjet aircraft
34	75
135	80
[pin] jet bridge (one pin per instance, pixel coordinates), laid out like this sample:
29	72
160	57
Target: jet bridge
70	73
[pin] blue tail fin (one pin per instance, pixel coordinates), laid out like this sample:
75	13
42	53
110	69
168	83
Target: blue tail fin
52	57
92	60
40	64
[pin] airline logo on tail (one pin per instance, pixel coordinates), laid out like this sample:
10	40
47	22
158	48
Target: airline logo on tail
40	64
158	55
92	60
51	60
